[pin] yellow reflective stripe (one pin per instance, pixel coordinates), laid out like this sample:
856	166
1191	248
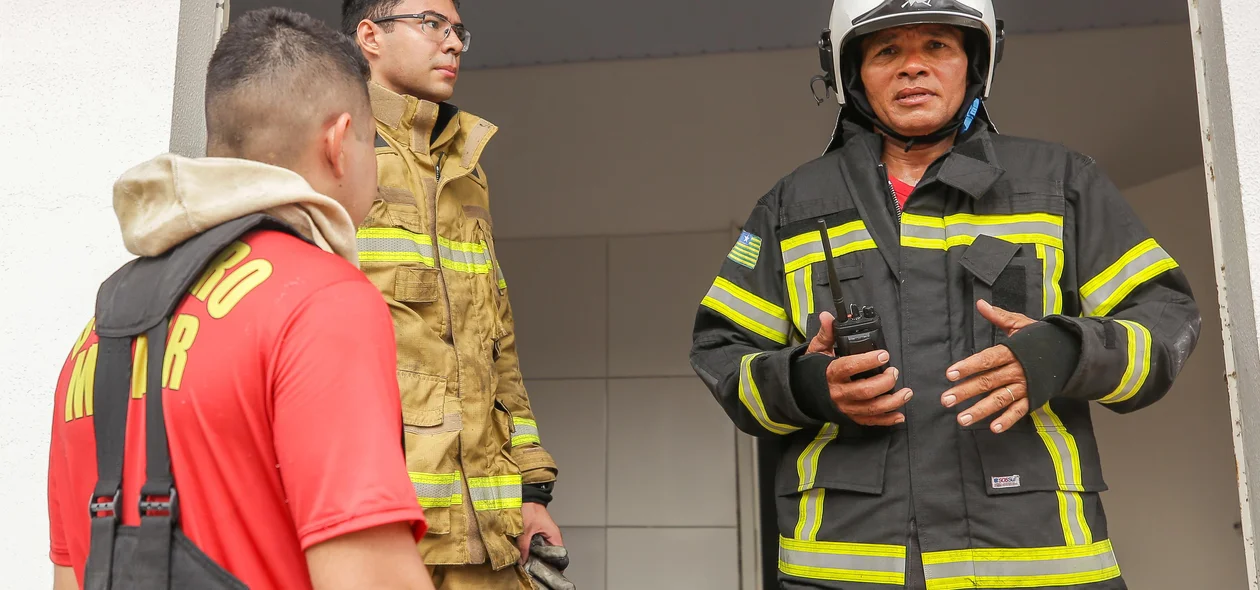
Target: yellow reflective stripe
502	284
1140	264
801	296
1138	367
464	256
392	244
1020	568
962	229
843	562
437	490
498	492
1067	470
1052	273
805	249
810	518
748	310
751	397
526	431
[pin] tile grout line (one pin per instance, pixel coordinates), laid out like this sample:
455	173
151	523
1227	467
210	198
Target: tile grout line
607	398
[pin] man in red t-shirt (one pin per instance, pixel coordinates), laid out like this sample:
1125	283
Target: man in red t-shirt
279	390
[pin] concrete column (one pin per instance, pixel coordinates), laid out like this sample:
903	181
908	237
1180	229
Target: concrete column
1227	55
89	90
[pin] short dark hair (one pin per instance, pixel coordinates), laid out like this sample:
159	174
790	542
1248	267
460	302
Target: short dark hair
354	11
274	72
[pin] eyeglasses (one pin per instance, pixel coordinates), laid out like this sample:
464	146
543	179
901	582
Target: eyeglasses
434	26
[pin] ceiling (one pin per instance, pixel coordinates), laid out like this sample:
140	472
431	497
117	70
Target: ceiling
510	33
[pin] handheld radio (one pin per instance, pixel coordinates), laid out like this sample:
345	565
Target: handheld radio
857	329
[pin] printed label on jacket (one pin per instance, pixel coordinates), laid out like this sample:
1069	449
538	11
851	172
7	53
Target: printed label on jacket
1005	481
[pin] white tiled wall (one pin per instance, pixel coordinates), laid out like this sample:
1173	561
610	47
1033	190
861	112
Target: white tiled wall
647	491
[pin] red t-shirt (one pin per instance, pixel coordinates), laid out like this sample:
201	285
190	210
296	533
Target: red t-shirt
902	190
282	412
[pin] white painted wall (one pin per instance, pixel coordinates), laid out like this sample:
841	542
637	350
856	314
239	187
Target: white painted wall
82	98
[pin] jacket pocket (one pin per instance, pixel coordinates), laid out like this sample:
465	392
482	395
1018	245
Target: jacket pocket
432	422
1040	454
997	273
851	459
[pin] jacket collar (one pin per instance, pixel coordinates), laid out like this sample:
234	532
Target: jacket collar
412	121
971	166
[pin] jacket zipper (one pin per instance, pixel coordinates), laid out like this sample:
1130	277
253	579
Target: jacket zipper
892	194
437	250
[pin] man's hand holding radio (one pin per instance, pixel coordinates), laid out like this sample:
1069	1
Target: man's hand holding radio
862	400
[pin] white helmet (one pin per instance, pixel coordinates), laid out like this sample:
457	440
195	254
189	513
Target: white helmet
851	19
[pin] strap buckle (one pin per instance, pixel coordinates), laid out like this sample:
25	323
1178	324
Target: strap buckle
170	505
95	506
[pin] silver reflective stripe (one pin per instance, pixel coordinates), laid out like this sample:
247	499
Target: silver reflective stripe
435	490
798	284
495	493
779	326
1052	269
1139	344
807	465
831	561
1032	569
1102	298
1073	503
526	432
1003	229
389	246
923	232
465	261
793	256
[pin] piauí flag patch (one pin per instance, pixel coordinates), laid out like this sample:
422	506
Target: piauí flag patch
747	249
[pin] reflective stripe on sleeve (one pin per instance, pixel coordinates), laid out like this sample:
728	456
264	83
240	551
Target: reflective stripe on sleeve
526	432
962	229
1139	365
748	310
437	490
843	562
751	398
1020	568
498	492
1140	264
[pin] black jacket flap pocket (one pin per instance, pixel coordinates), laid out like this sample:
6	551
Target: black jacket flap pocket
987	256
853	463
1043	457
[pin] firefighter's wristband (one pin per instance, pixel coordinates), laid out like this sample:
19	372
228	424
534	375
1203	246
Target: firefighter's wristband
1049	354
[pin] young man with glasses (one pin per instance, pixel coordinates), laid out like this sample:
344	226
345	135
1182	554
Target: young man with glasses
471	440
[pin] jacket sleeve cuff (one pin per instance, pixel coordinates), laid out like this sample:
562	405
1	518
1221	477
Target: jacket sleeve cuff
807	375
1049	354
537	493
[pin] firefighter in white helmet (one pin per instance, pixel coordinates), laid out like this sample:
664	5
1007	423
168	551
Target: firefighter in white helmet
990	291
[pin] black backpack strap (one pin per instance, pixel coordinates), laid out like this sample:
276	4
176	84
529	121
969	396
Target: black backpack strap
112	391
157	517
139	299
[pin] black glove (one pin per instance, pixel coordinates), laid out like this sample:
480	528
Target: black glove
546	564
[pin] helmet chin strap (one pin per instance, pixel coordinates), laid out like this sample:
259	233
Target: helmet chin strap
863	108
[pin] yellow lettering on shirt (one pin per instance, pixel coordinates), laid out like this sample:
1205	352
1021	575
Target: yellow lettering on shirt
229	257
80	391
182	335
229	291
83	336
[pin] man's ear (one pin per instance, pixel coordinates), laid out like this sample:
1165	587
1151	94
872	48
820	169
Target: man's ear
368	36
335	137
